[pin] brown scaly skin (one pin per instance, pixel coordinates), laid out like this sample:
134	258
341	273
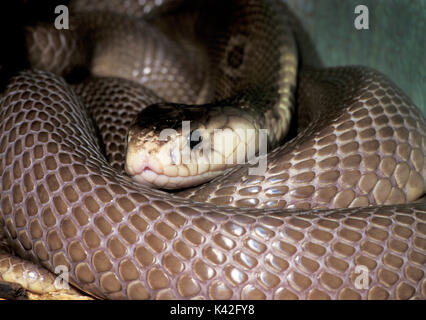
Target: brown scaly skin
363	144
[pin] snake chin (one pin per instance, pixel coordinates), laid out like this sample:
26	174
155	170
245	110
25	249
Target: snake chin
153	179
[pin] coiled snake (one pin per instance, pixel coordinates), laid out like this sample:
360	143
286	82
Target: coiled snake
335	203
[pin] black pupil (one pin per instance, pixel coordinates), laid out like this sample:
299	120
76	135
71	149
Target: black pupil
193	143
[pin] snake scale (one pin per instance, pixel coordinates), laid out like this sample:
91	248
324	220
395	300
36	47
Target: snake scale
339	196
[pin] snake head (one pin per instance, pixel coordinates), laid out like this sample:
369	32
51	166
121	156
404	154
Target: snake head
174	146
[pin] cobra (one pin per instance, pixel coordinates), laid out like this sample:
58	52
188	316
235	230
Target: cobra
339	197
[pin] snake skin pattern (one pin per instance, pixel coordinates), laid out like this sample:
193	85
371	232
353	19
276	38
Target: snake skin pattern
40	283
339	196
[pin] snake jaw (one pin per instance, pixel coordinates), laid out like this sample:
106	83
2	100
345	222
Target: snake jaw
164	165
176	162
146	173
143	171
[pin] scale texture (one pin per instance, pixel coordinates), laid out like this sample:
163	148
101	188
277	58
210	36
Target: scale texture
336	203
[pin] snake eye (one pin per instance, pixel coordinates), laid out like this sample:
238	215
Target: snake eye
194	138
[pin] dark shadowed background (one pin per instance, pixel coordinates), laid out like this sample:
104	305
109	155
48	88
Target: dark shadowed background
394	44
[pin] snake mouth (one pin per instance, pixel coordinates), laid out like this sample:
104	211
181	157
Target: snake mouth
151	178
145	169
146	175
141	169
154	175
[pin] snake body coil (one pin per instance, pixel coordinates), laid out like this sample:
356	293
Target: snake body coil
335	203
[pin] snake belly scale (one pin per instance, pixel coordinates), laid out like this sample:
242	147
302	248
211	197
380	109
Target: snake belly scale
339	196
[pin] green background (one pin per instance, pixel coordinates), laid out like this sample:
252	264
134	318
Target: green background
394	43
